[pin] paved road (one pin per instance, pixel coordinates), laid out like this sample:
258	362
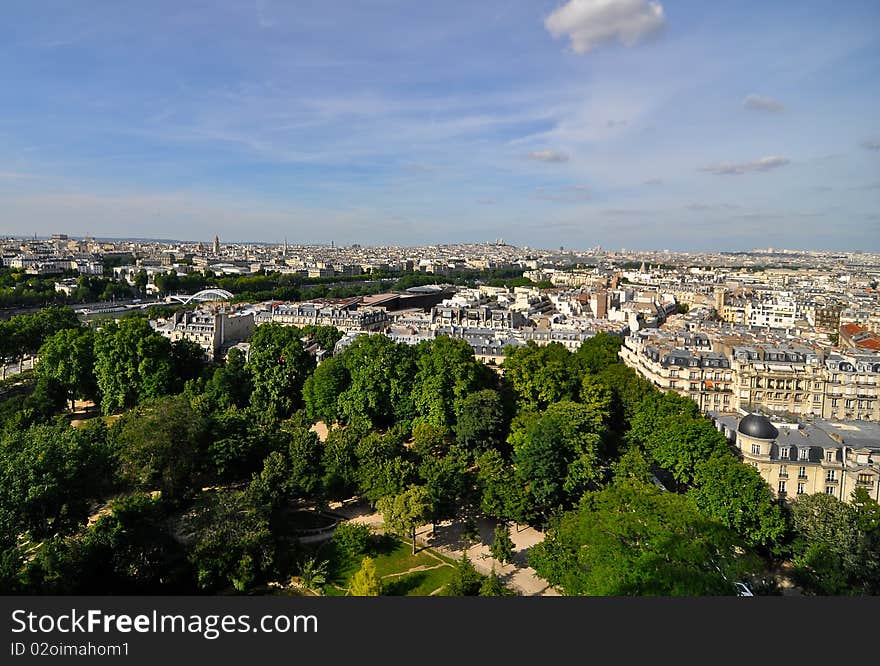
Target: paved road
14	368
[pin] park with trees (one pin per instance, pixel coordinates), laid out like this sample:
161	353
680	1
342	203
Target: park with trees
192	478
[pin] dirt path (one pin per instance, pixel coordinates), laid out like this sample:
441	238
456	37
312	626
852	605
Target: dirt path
448	541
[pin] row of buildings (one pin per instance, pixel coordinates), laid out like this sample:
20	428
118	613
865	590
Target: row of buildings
730	369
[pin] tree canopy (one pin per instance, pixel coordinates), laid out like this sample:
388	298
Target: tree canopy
633	538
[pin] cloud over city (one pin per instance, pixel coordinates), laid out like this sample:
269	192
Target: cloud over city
737	169
550	156
761	103
592	23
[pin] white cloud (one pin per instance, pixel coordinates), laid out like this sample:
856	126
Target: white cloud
737	169
871	144
548	156
760	103
591	23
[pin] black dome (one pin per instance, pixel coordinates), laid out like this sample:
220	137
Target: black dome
757	426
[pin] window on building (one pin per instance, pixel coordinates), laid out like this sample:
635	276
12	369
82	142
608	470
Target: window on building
829	456
800	489
783	470
783	452
781	487
831	475
802	472
865	480
756	449
829	490
803	454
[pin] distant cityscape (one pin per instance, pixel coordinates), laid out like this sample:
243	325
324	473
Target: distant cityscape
794	335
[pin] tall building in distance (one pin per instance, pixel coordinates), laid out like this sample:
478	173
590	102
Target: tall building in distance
216	245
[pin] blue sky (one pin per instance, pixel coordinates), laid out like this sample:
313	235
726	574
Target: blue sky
670	125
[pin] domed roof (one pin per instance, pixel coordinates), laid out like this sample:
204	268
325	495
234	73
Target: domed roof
757	426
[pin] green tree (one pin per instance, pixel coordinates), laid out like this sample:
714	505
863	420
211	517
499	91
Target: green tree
557	456
465	582
46	323
270	488
430	441
351	539
322	389
632	538
68	359
231	384
187	362
596	395
366	581
325	336
279	366
832	553
382	470
632	464
25	334
404	513
381	386
448	482
340	464
502	546
628	390
679	443
128	550
237	443
140	281
480	420
542	376
49	475
735	495
656	407
313	574
502	493
304	456
493	587
446	373
167	283
155	367
161	444
233	543
599	352
132	363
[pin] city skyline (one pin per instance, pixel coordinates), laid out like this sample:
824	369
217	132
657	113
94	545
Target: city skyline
628	124
462	243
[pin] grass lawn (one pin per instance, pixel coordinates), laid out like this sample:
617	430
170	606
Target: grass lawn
393	558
